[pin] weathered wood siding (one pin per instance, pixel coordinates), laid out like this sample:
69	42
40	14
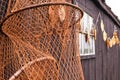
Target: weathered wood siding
105	64
3	8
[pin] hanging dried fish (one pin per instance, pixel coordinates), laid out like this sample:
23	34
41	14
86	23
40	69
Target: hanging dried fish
94	33
117	40
104	35
113	40
108	43
111	43
102	25
87	37
116	37
62	13
52	15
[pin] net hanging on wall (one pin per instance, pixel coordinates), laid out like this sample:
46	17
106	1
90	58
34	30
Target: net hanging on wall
43	42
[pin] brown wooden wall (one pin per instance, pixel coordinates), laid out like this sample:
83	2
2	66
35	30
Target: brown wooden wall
3	8
106	62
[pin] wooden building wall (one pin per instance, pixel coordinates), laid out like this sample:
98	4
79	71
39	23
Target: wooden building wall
104	65
3	6
3	37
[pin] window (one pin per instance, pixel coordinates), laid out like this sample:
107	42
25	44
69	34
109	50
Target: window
85	47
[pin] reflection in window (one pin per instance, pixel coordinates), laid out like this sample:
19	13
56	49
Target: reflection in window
86	25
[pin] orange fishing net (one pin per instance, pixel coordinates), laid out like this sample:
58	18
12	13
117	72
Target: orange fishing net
41	41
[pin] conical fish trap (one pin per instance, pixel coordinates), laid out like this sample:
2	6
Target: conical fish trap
43	43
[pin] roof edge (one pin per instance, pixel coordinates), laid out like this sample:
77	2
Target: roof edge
107	9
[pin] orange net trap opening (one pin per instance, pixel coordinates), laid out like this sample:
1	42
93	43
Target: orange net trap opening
41	41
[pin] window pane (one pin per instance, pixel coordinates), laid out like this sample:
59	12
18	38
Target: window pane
86	25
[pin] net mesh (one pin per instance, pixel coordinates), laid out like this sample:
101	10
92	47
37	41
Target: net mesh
41	42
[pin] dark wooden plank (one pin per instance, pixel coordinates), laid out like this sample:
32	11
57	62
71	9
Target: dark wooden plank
105	49
3	8
85	66
91	7
118	57
119	63
80	2
92	69
99	57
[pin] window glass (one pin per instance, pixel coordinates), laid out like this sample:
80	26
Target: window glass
86	25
